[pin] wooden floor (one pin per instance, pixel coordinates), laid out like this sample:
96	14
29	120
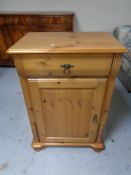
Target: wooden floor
18	158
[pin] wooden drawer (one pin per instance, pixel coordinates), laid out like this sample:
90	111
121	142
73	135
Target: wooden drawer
17	20
52	65
57	23
53	20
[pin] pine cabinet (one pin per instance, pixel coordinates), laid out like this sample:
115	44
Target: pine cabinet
67	81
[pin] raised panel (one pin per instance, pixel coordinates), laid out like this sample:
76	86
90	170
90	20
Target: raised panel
67	112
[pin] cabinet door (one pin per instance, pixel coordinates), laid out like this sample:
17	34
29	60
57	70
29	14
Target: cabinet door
3	47
8	36
17	32
67	110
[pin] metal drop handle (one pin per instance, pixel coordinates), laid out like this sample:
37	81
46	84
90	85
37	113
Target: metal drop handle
66	68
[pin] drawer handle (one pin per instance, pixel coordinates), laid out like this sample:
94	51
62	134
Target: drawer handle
66	68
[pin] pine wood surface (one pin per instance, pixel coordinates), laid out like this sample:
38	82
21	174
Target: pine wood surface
68	107
67	42
48	65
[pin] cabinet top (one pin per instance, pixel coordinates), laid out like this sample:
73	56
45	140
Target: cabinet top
67	42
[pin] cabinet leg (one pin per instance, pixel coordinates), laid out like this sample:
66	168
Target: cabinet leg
98	147
37	149
97	150
37	146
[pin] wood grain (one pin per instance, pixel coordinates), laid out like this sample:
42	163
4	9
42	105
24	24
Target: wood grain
67	42
66	109
48	65
108	95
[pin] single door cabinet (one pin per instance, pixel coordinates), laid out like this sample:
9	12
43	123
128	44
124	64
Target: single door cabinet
67	80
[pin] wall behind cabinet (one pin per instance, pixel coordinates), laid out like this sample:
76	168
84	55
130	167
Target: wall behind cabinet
91	15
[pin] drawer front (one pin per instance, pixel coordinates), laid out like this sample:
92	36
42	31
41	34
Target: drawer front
17	20
66	65
56	23
53	20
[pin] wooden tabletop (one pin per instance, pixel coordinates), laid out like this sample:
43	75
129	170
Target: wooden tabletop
67	42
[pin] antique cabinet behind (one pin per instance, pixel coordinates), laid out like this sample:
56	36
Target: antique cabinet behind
14	26
67	80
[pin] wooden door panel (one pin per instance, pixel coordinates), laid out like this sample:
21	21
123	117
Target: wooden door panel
67	113
3	46
5	43
17	32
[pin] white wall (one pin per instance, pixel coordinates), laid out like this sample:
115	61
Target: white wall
91	15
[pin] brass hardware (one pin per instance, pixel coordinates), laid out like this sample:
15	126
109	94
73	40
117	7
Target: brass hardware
67	68
95	119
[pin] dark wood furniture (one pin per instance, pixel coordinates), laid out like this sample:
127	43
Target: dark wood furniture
15	26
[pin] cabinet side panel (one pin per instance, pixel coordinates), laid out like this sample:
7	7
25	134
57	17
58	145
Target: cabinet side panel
108	94
25	90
